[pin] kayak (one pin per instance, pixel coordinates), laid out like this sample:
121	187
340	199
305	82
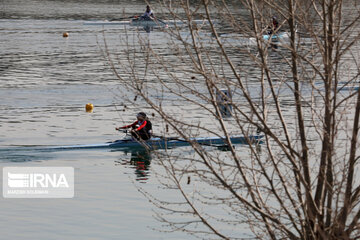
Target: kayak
275	36
177	142
142	22
160	143
135	22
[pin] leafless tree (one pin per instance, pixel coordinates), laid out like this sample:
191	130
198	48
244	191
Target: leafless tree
299	86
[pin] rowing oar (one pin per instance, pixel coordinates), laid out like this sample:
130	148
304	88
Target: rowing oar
119	19
169	138
140	141
225	146
157	19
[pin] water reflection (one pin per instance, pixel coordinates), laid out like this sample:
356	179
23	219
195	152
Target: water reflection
140	160
148	29
15	155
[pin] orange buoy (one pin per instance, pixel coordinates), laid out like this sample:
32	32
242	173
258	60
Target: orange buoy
89	107
65	34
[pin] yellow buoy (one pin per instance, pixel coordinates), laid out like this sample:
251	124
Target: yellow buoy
65	34
89	107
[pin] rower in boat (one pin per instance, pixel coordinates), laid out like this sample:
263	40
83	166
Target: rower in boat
141	128
148	15
274	26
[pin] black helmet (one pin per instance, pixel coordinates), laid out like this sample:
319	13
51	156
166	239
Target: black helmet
141	114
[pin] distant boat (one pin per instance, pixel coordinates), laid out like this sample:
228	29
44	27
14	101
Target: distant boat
275	36
143	22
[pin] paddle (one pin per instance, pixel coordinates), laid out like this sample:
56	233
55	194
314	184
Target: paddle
161	21
183	140
170	138
123	18
126	133
157	19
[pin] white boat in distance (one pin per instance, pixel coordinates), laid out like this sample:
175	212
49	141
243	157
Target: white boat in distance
143	22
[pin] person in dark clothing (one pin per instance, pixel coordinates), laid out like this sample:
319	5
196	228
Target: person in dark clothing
275	23
274	26
141	128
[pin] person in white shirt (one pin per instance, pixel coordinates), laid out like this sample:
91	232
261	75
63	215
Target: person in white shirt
148	13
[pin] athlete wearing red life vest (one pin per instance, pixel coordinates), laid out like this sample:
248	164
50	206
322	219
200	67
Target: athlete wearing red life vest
275	23
141	128
274	26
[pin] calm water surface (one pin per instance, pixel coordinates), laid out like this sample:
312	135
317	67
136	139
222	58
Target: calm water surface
45	81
